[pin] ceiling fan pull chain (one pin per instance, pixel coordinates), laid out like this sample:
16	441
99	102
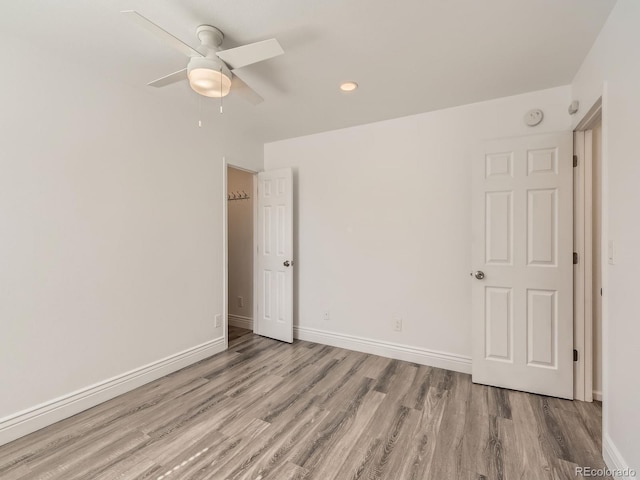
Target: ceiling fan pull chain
200	111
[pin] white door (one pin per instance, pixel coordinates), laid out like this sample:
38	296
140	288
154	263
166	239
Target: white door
275	255
522	254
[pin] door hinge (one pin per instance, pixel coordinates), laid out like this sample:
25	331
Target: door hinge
575	355
575	258
600	292
575	160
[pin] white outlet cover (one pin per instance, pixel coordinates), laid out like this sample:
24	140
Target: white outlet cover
533	117
397	324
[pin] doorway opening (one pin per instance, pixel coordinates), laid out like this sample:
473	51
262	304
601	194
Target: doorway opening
240	252
588	244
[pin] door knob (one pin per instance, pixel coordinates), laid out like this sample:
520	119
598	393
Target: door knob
287	263
479	275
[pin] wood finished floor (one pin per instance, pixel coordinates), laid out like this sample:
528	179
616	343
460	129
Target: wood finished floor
269	410
237	332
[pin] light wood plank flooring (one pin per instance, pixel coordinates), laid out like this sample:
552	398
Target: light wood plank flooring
270	410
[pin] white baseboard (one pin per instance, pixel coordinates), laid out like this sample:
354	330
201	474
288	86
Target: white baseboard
27	421
241	322
597	395
614	460
422	356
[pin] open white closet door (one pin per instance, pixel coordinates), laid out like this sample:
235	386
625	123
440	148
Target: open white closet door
275	255
522	254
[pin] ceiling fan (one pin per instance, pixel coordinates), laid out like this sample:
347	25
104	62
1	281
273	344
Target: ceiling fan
211	72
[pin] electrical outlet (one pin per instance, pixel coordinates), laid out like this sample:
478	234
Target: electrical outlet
240	302
397	324
326	315
218	320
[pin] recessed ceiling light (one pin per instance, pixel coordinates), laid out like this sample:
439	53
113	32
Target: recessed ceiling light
348	86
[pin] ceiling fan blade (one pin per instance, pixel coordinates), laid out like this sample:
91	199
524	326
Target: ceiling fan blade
162	34
252	53
169	79
245	91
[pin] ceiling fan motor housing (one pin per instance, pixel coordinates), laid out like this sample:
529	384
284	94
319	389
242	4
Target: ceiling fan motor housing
208	75
210	37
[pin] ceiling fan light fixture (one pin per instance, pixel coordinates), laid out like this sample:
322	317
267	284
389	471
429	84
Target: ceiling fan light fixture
210	83
209	77
348	86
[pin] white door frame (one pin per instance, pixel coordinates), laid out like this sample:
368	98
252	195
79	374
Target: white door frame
583	271
225	247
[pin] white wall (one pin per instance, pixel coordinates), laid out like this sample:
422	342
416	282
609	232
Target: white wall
240	221
111	208
612	69
383	220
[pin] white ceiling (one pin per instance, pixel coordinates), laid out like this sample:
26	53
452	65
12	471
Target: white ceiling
408	56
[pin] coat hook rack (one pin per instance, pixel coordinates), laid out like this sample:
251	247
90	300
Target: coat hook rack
238	196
